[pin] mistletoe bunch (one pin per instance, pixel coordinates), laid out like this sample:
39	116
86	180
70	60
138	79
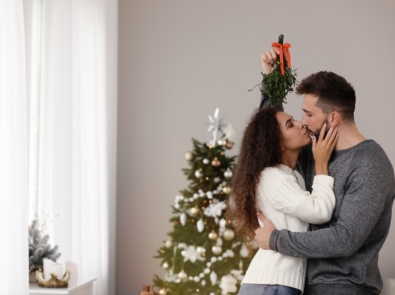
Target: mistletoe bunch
282	79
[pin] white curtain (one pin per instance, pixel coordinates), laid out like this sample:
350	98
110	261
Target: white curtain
13	151
77	142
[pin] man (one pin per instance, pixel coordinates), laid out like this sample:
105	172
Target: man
342	255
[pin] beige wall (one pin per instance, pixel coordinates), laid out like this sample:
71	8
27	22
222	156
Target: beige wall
179	60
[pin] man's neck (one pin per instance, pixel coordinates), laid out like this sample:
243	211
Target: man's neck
349	136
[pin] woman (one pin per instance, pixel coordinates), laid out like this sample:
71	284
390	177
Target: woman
265	180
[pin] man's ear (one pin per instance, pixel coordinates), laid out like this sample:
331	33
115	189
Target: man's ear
334	119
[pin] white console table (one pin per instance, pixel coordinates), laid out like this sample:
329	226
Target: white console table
86	288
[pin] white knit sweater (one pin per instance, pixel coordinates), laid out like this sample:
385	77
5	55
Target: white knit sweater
283	199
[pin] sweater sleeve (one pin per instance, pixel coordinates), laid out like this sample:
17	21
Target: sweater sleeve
361	208
317	207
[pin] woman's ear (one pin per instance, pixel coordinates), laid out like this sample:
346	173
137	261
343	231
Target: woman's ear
334	119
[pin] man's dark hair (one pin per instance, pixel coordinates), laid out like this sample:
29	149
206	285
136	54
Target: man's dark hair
333	91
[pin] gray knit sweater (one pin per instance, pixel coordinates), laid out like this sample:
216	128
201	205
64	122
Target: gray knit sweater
343	253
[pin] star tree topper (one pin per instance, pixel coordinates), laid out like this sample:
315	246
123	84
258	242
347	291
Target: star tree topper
215	126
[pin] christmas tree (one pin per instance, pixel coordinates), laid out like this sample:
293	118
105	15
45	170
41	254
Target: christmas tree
202	254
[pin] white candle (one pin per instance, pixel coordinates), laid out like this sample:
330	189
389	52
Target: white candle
51	267
57	270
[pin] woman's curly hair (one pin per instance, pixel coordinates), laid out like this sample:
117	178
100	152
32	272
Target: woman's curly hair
260	148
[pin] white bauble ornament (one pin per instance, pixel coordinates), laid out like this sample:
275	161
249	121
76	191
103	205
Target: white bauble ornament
222	223
201	275
165	265
213	235
200	225
183	252
208	264
213	259
182	275
217	179
206	161
206	271
183	218
213	277
162	291
194	211
228	173
216	250
169	243
188	156
190	278
209	195
196	279
201	250
220	258
243	251
177	206
198	174
228	234
203	283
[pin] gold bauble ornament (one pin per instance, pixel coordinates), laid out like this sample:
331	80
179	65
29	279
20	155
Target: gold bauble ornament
169	243
162	291
213	235
188	156
229	145
194	211
228	234
227	190
216	162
